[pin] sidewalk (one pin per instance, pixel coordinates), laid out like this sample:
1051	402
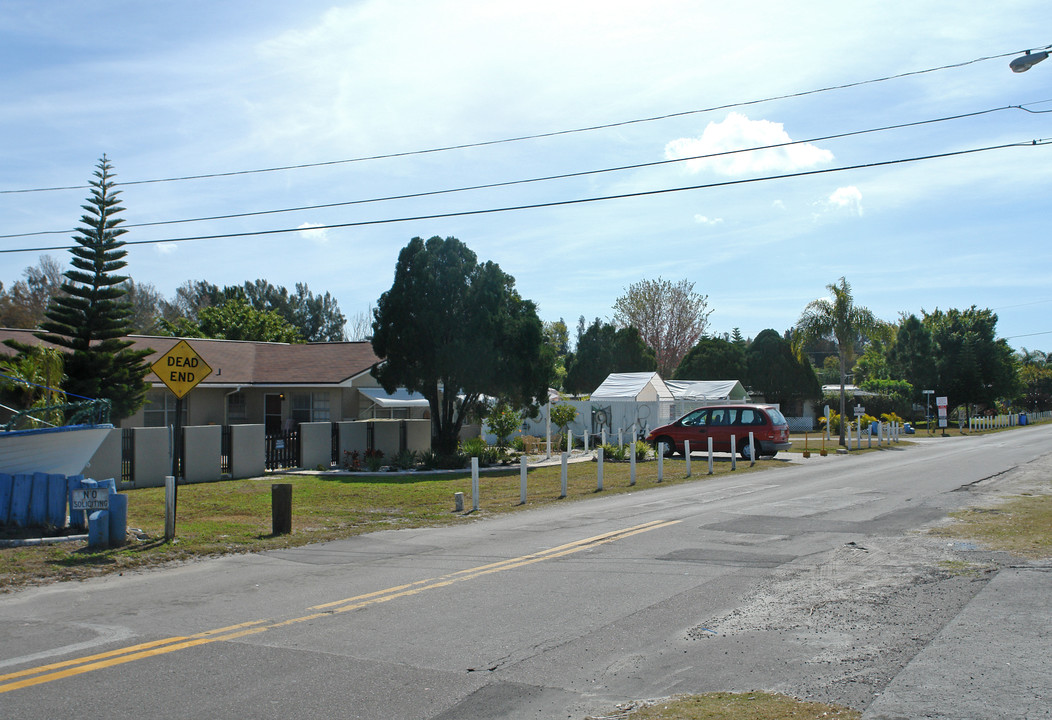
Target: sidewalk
992	661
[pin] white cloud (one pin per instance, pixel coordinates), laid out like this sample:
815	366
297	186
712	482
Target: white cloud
737	132
703	220
165	248
313	231
847	198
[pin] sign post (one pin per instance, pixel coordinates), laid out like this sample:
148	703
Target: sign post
942	404
180	369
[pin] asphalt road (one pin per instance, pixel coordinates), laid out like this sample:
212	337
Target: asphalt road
809	579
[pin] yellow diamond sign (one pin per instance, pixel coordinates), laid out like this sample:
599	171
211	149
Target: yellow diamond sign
181	368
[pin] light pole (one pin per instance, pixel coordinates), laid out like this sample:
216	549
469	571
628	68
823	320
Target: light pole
1029	59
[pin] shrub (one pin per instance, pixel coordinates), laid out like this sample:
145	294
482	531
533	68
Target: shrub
642	450
615	453
406	459
503	421
374	460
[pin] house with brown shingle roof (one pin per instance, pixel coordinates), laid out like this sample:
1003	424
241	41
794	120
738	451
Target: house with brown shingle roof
278	385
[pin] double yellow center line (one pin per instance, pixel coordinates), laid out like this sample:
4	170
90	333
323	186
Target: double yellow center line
69	668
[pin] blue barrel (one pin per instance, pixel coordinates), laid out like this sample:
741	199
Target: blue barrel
1022	418
99	529
6	486
21	490
76	517
118	519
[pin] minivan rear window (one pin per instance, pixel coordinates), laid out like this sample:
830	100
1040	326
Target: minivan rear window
776	417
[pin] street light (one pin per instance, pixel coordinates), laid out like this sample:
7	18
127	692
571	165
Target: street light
1029	60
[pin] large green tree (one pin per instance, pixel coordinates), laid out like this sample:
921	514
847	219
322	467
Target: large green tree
837	318
455	330
974	366
912	358
776	373
603	349
235	319
90	316
670	317
317	318
714	359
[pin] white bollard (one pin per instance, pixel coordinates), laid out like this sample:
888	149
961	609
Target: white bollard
686	454
599	469
661	461
169	507
632	465
475	484
734	452
563	458
752	450
522	480
710	456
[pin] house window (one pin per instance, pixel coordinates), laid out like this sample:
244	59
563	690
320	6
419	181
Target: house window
310	407
159	410
236	409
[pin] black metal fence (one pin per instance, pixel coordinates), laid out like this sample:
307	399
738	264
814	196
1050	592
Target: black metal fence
283	450
127	455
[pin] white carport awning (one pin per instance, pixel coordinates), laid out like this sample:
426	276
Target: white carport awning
706	390
400	398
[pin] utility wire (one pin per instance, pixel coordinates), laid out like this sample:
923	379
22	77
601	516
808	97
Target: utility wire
537	136
546	178
554	203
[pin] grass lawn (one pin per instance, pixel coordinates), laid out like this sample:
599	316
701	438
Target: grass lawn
235	515
732	706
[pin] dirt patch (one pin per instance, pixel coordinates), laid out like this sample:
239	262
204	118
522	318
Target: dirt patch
860	612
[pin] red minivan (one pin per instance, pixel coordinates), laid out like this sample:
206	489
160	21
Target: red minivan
722	422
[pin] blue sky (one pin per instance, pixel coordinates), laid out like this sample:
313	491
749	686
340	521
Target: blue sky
193	88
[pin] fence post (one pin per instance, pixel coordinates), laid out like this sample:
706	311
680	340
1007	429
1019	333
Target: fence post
632	465
475	484
281	508
169	507
599	468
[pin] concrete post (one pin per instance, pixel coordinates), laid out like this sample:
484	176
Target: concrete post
475	484
522	480
599	469
686	454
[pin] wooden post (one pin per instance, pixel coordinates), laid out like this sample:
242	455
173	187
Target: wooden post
281	508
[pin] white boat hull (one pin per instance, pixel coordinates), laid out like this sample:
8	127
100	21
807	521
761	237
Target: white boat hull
60	450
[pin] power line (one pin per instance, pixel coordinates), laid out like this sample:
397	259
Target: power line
554	203
563	176
536	136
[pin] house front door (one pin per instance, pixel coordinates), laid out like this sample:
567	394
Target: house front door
272	413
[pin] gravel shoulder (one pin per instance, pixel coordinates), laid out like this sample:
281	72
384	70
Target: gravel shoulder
911	626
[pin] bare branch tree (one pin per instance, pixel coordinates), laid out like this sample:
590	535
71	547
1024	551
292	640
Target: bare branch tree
670	317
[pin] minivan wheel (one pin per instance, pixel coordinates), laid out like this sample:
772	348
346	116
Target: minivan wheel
670	447
745	451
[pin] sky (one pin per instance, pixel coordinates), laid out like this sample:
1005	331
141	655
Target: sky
377	99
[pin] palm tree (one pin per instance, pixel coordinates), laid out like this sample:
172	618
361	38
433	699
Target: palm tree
838	318
33	377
